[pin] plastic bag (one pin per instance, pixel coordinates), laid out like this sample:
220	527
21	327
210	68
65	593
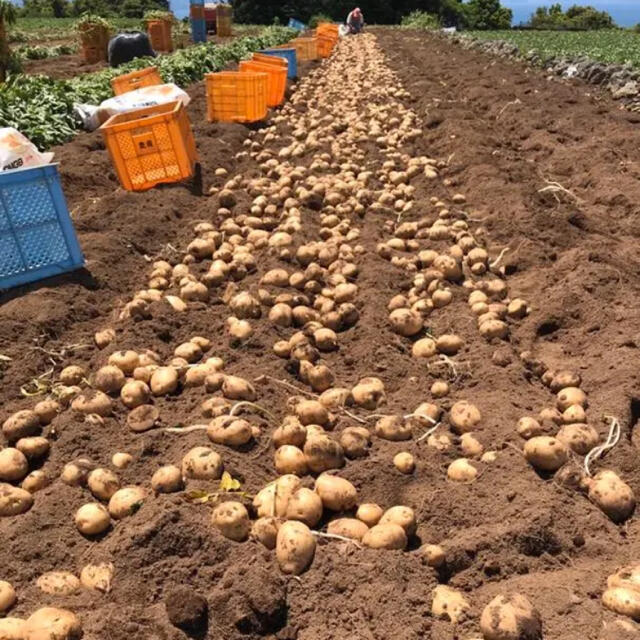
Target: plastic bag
92	117
17	152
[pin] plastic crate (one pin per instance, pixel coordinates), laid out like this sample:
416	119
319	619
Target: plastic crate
198	30
37	238
234	96
325	45
289	55
306	49
224	17
276	83
151	145
196	12
160	35
297	25
329	29
147	77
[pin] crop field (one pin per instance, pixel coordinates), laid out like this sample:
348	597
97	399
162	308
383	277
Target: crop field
370	374
615	45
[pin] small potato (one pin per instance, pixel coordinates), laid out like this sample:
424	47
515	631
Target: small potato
385	536
322	453
232	520
13	465
325	339
439	389
510	617
235	388
190	351
97	577
126	501
434	555
574	414
201	463
21	424
47	410
464	417
449	603
58	583
12	628
563	379
93	402
312	412
134	394
143	418
570	396
529	428
335	398
167	479
370	513
406	322
35	481
295	547
393	428
121	460
612	495
75	473
462	470
336	493
126	361
265	531
34	447
291	432
449	344
50	623
493	328
305	505
471	447
348	528
580	438
424	348
164	380
355	441
109	379
92	519
290	459
103	483
72	375
368	393
546	453
403	516
404	462
7	597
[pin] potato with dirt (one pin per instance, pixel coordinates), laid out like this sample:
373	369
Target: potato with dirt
546	453
50	623
449	604
126	501
511	617
390	536
295	547
306	506
232	520
14	465
336	493
202	463
611	494
7	596
92	519
13	500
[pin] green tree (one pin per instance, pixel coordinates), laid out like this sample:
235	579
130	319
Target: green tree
488	14
8	16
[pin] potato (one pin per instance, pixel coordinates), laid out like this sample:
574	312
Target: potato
167	479
563	379
134	394
35	481
305	505
385	536
312	412
404	462
370	513
235	388
75	473
529	428
355	441
406	322
12	628
228	430
265	531
7	596
273	499
510	617
574	414
612	495
550	414
627	577
164	380
462	470
102	483
92	519
47	410
323	453
58	583
50	623
470	446
546	453
97	577
403	516
121	460
434	555
13	465
493	328
393	428
424	348
126	501
215	407
626	602
449	603
426	414
21	424
368	393
290	432
439	389
143	418
232	520
580	438
325	339
34	447
92	402
290	459
570	396
348	528
464	417
295	547
336	493
449	344
201	463
109	379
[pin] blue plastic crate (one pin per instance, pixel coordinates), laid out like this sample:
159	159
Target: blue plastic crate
297	25
37	238
198	30
198	3
289	55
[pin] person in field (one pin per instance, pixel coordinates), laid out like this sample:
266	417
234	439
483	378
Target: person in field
355	21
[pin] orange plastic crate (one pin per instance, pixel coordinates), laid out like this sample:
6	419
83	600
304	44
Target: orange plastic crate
325	46
135	80
160	35
266	59
234	96
306	48
276	83
328	29
151	145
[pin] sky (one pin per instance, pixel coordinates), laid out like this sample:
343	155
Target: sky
626	13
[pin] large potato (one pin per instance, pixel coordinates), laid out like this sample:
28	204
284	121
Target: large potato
624	601
393	428
201	463
235	388
370	513
164	380
336	493
368	393
109	379
97	577
449	603
403	516
464	417
134	394
12	628
290	459
13	465
92	519
510	617
273	499
546	453
21	424
167	479
265	531
103	483
312	412
34	447
291	432
232	520
7	596
385	536
355	441
461	470
348	528
570	396
50	623
406	322
126	501
58	583
305	505
231	431
14	501
295	547
612	495
322	453
580	438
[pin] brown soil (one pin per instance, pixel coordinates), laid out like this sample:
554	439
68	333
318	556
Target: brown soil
62	67
574	258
